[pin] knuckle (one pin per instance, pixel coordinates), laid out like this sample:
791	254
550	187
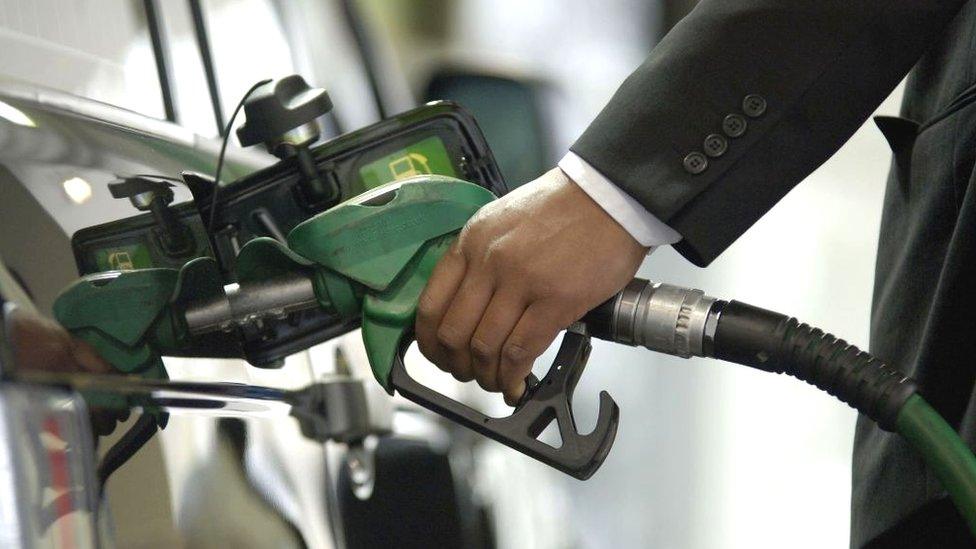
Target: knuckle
444	366
462	376
430	352
514	391
448	337
516	352
511	383
456	251
500	253
543	287
481	351
469	234
425	347
486	383
426	307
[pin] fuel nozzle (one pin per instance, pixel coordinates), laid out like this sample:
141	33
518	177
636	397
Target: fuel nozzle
282	114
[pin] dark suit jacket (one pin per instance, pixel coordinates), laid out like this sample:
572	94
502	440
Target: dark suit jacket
800	77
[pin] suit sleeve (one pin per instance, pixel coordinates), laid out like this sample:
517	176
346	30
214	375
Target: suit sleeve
745	98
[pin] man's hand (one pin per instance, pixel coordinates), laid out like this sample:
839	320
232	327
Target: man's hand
42	344
524	267
39	343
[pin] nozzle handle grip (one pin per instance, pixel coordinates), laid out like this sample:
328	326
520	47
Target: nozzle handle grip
579	455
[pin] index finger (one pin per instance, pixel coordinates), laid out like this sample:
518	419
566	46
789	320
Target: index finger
436	298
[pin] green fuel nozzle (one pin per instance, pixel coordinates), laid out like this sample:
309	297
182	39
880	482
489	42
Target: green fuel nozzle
374	254
366	260
372	257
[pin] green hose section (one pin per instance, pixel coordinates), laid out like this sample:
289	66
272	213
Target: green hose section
944	452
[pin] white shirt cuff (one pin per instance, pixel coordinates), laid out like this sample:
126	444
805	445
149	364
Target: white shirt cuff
646	229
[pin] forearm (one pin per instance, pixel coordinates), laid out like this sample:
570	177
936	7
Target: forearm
821	67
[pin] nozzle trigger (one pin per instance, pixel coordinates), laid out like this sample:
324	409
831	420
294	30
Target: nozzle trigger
579	455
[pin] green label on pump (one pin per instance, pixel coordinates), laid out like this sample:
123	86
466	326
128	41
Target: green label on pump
123	258
428	156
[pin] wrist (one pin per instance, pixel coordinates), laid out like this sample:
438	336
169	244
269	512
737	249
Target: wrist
599	212
643	226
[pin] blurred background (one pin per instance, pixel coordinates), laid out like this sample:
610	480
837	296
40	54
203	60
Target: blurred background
708	455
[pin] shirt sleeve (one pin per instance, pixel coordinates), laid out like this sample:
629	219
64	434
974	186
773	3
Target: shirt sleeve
646	229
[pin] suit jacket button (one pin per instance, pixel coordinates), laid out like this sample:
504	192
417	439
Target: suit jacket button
754	105
695	163
734	125
715	145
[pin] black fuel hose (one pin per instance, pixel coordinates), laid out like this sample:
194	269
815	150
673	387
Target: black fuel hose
685	322
776	343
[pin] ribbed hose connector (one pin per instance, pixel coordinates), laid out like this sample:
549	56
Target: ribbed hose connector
660	317
776	343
